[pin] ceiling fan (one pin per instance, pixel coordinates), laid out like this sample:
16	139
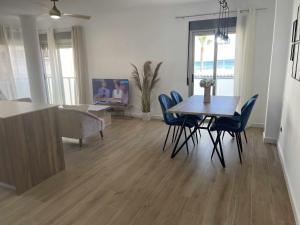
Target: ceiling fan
55	13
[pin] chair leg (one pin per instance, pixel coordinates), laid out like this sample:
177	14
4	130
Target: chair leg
177	131
167	138
238	146
186	144
245	135
240	141
80	142
197	137
101	134
173	136
223	135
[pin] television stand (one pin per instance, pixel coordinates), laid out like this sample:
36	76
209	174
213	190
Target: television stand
119	109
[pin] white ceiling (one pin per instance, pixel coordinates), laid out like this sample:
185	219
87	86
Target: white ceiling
37	7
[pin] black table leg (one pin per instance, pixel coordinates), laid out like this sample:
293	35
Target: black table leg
220	154
221	150
185	142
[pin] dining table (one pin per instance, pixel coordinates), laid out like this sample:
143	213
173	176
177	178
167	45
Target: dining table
219	106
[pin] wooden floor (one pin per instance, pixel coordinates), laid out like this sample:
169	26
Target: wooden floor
126	179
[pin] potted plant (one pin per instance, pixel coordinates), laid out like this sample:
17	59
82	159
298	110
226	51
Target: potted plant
145	84
207	84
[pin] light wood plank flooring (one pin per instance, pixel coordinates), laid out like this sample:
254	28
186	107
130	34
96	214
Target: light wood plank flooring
126	179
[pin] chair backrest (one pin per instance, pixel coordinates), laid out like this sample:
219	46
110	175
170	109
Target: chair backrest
166	103
176	97
78	124
254	96
246	112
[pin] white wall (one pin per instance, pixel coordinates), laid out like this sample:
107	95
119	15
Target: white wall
278	67
289	139
10	20
116	39
264	34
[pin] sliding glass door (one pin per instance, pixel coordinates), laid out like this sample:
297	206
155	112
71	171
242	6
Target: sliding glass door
212	60
58	62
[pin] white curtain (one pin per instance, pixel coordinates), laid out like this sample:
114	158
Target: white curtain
80	63
245	42
54	83
2	96
14	81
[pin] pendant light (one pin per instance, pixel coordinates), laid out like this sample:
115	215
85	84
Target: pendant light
54	12
223	23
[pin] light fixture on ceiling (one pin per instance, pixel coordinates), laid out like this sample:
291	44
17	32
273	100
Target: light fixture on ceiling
54	12
223	23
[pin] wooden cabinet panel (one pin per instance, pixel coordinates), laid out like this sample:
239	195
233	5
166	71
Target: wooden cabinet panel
32	148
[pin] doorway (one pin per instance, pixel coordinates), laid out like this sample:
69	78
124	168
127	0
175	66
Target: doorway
211	59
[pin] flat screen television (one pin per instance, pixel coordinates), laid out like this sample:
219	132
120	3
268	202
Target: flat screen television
110	91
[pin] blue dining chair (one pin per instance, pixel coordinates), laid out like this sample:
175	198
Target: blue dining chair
235	125
166	103
177	98
238	114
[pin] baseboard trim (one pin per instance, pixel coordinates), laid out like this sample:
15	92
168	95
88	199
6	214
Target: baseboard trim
289	187
269	140
257	125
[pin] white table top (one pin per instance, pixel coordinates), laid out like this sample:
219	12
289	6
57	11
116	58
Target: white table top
219	106
13	108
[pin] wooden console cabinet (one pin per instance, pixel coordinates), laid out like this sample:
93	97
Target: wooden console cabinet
30	144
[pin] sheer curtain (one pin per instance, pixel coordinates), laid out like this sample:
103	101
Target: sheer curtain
62	69
80	64
245	42
14	81
56	83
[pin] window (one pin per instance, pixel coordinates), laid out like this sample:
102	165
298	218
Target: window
68	75
58	63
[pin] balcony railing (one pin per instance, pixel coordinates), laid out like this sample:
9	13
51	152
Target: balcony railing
224	84
69	94
16	88
219	76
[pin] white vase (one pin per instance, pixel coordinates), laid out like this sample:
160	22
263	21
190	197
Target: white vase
146	116
207	94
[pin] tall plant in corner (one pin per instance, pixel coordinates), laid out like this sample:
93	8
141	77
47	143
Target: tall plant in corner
146	82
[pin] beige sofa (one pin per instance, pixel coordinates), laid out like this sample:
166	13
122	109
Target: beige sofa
78	125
